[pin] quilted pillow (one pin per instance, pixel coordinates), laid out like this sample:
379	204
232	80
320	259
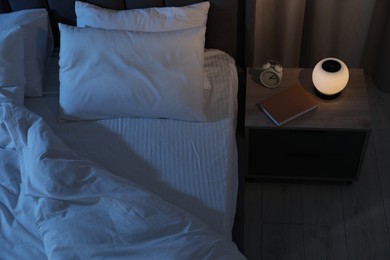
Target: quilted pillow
117	73
155	19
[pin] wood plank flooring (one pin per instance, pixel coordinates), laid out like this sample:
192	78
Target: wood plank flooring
312	221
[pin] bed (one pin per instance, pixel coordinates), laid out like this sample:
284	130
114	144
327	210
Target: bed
93	168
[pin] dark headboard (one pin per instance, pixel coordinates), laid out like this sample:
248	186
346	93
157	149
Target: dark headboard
223	27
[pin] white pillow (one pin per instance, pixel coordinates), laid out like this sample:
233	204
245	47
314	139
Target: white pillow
38	43
12	65
146	20
156	19
117	73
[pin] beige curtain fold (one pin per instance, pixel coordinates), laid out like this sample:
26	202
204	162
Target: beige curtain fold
381	68
335	28
278	27
299	33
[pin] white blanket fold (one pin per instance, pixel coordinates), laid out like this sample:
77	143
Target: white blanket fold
82	211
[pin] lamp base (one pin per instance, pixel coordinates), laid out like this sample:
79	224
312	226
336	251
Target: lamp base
323	96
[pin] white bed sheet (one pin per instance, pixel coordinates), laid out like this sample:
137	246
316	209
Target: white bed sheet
56	205
190	164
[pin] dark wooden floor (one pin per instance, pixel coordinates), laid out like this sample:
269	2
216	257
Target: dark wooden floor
327	221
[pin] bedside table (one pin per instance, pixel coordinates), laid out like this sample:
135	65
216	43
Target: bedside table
327	143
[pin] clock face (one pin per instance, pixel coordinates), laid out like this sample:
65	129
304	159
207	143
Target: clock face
269	79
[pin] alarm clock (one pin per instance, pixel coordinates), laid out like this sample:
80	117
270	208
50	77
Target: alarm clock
271	74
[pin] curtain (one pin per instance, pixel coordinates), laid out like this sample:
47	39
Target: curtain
299	33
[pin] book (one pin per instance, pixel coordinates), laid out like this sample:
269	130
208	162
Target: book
288	104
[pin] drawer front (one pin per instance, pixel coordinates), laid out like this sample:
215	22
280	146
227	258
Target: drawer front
305	153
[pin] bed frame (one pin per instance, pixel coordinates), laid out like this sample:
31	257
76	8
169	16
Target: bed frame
225	31
223	27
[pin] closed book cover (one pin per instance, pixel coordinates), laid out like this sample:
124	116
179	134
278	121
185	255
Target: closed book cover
288	104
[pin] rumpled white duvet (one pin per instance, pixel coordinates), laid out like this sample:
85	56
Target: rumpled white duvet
55	205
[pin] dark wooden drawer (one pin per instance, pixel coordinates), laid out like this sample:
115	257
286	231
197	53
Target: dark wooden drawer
312	154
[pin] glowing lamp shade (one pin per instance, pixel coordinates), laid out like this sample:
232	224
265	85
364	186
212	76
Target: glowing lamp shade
330	76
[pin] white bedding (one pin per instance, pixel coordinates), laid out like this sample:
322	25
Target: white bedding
190	164
56	205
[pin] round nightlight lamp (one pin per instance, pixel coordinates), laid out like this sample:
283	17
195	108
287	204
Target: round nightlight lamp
330	76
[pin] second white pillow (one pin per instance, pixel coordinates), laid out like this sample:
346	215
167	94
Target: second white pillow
112	73
157	19
12	78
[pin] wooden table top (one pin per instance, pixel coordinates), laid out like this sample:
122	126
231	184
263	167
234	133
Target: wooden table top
348	111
